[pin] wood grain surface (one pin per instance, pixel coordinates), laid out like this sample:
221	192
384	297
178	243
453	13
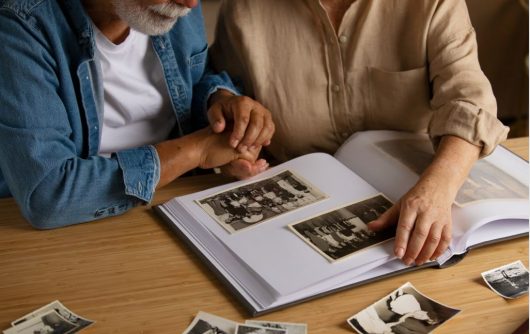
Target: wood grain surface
132	275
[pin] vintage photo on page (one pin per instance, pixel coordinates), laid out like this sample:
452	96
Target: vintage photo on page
485	180
254	203
291	328
209	323
339	233
509	281
405	310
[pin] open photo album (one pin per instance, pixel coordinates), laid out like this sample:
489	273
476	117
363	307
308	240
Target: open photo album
299	230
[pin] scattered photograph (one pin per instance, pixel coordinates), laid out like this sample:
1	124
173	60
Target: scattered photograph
62	310
340	233
254	203
45	323
291	328
485	181
509	281
211	324
405	310
250	329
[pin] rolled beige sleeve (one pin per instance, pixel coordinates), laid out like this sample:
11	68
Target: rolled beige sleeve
463	100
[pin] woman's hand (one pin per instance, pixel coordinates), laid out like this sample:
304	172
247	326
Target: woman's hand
423	214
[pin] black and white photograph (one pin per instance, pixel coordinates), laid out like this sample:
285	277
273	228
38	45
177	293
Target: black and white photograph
206	323
485	181
291	328
46	323
509	281
254	203
340	233
251	329
62	310
405	310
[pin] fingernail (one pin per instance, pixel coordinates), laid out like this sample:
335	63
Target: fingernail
243	148
399	252
234	143
253	147
407	261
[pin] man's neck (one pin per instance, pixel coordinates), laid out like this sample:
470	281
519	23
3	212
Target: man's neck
104	17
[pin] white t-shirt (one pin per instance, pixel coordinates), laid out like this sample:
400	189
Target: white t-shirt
137	107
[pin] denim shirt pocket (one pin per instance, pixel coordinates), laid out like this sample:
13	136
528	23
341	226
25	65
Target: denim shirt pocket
197	63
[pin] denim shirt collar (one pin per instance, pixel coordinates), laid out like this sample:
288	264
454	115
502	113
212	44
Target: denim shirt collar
82	24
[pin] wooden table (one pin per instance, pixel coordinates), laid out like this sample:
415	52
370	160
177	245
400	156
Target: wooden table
132	275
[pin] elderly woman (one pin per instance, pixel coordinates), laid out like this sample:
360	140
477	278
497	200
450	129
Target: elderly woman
329	68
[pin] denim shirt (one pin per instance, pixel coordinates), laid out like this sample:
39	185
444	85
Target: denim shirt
51	109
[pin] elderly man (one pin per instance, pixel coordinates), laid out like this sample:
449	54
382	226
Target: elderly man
329	68
103	101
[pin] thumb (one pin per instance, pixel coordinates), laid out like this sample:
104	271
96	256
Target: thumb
216	118
387	219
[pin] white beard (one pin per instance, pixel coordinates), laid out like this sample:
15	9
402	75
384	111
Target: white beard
150	20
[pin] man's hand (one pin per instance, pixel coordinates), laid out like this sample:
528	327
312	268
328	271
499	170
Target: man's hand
252	123
423	215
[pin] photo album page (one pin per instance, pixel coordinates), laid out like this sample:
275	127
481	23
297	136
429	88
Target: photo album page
299	229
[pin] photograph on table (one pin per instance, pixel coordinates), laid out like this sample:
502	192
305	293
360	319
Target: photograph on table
509	281
46	322
340	233
485	180
212	324
51	318
291	328
250	329
253	203
405	310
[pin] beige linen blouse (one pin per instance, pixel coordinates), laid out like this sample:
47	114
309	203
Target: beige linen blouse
406	65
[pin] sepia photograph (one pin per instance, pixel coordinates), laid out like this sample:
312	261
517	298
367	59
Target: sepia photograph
340	233
405	310
254	203
509	281
485	180
206	323
250	329
291	328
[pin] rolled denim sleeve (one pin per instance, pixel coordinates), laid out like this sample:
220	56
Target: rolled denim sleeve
141	171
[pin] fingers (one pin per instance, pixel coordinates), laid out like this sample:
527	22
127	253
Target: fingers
216	119
407	219
252	123
244	169
444	242
425	237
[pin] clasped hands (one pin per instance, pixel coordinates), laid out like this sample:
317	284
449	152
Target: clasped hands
239	128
